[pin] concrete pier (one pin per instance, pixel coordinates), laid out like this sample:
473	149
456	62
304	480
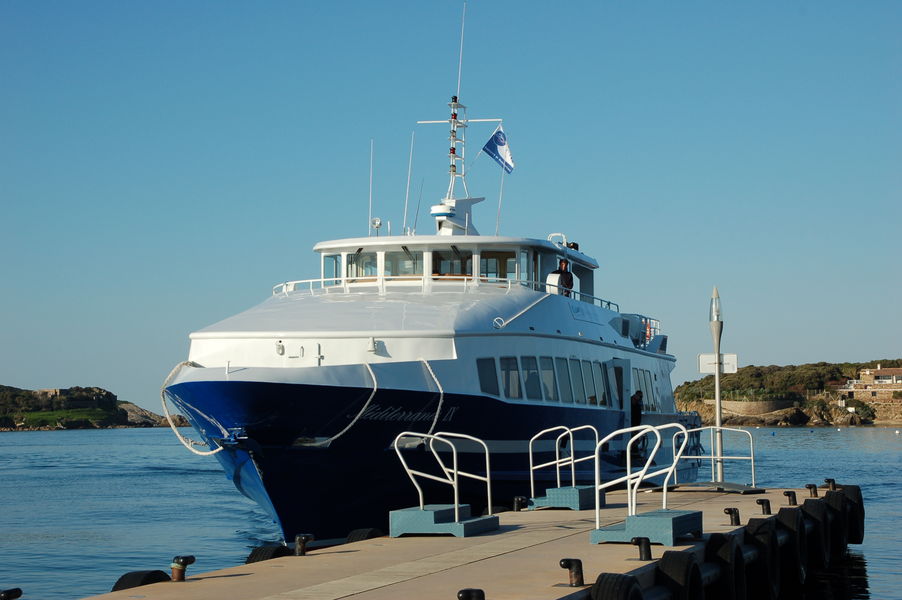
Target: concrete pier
519	561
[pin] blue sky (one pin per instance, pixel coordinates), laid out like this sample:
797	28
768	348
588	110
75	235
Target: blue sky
163	164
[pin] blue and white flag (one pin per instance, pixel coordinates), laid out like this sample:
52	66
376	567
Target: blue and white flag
498	149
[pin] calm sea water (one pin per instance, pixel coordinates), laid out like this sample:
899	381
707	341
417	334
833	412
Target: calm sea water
80	508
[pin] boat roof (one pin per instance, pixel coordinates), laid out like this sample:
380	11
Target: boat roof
461	241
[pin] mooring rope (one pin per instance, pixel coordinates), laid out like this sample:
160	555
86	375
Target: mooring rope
359	414
441	396
186	442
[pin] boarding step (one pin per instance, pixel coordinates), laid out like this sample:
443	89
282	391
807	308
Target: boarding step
435	519
574	497
659	526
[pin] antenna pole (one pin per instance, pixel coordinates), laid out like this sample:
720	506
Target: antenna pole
417	214
369	219
407	193
460	62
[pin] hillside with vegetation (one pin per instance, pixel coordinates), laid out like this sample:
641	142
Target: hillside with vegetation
810	388
70	408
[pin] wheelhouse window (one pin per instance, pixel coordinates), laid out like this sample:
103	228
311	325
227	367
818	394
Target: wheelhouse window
563	379
404	263
452	262
549	383
331	269
510	377
494	264
362	264
488	376
531	378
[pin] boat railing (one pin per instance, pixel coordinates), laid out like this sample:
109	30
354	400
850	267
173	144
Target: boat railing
631	479
429	283
712	429
450	475
559	461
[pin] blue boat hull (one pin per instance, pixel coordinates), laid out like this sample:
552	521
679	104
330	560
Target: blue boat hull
356	479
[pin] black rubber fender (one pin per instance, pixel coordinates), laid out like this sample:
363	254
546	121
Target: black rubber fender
615	586
11	594
842	515
366	533
725	552
679	572
794	555
765	580
268	552
856	522
134	579
819	537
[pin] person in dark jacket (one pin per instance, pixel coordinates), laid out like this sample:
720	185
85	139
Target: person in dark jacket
636	409
566	277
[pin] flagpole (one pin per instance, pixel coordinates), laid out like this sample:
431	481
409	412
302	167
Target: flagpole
500	195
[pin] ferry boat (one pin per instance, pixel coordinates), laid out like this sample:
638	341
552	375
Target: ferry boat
301	396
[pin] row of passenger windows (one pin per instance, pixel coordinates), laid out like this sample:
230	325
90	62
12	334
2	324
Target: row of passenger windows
452	261
642	380
547	378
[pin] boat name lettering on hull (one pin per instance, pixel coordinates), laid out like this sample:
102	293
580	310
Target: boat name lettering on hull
378	412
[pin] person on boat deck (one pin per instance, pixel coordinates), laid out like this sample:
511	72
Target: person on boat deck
636	409
566	277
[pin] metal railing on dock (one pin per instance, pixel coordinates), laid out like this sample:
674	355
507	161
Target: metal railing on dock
559	461
712	457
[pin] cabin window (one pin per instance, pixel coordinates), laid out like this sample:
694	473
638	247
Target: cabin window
549	383
652	396
531	380
332	269
617	390
488	376
404	263
563	379
362	264
497	265
510	377
601	382
591	396
576	379
452	262
523	275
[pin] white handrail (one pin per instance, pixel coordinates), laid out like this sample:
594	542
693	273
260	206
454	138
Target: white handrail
671	470
640	431
558	462
450	475
712	456
345	284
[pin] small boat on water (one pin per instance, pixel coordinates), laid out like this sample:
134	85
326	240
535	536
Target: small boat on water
301	396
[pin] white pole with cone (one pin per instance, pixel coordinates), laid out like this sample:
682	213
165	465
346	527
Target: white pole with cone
716	323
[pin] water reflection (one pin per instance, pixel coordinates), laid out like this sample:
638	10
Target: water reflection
847	580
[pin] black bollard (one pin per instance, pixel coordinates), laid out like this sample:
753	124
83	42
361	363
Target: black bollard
519	503
179	564
812	490
644	547
831	484
764	503
10	594
300	543
470	594
575	567
734	515
791	497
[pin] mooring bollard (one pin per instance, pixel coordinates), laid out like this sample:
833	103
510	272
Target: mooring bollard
10	594
471	594
812	490
179	564
575	568
764	503
519	503
300	543
831	484
644	547
734	515
791	498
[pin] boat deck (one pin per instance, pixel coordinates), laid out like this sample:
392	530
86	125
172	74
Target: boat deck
518	561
